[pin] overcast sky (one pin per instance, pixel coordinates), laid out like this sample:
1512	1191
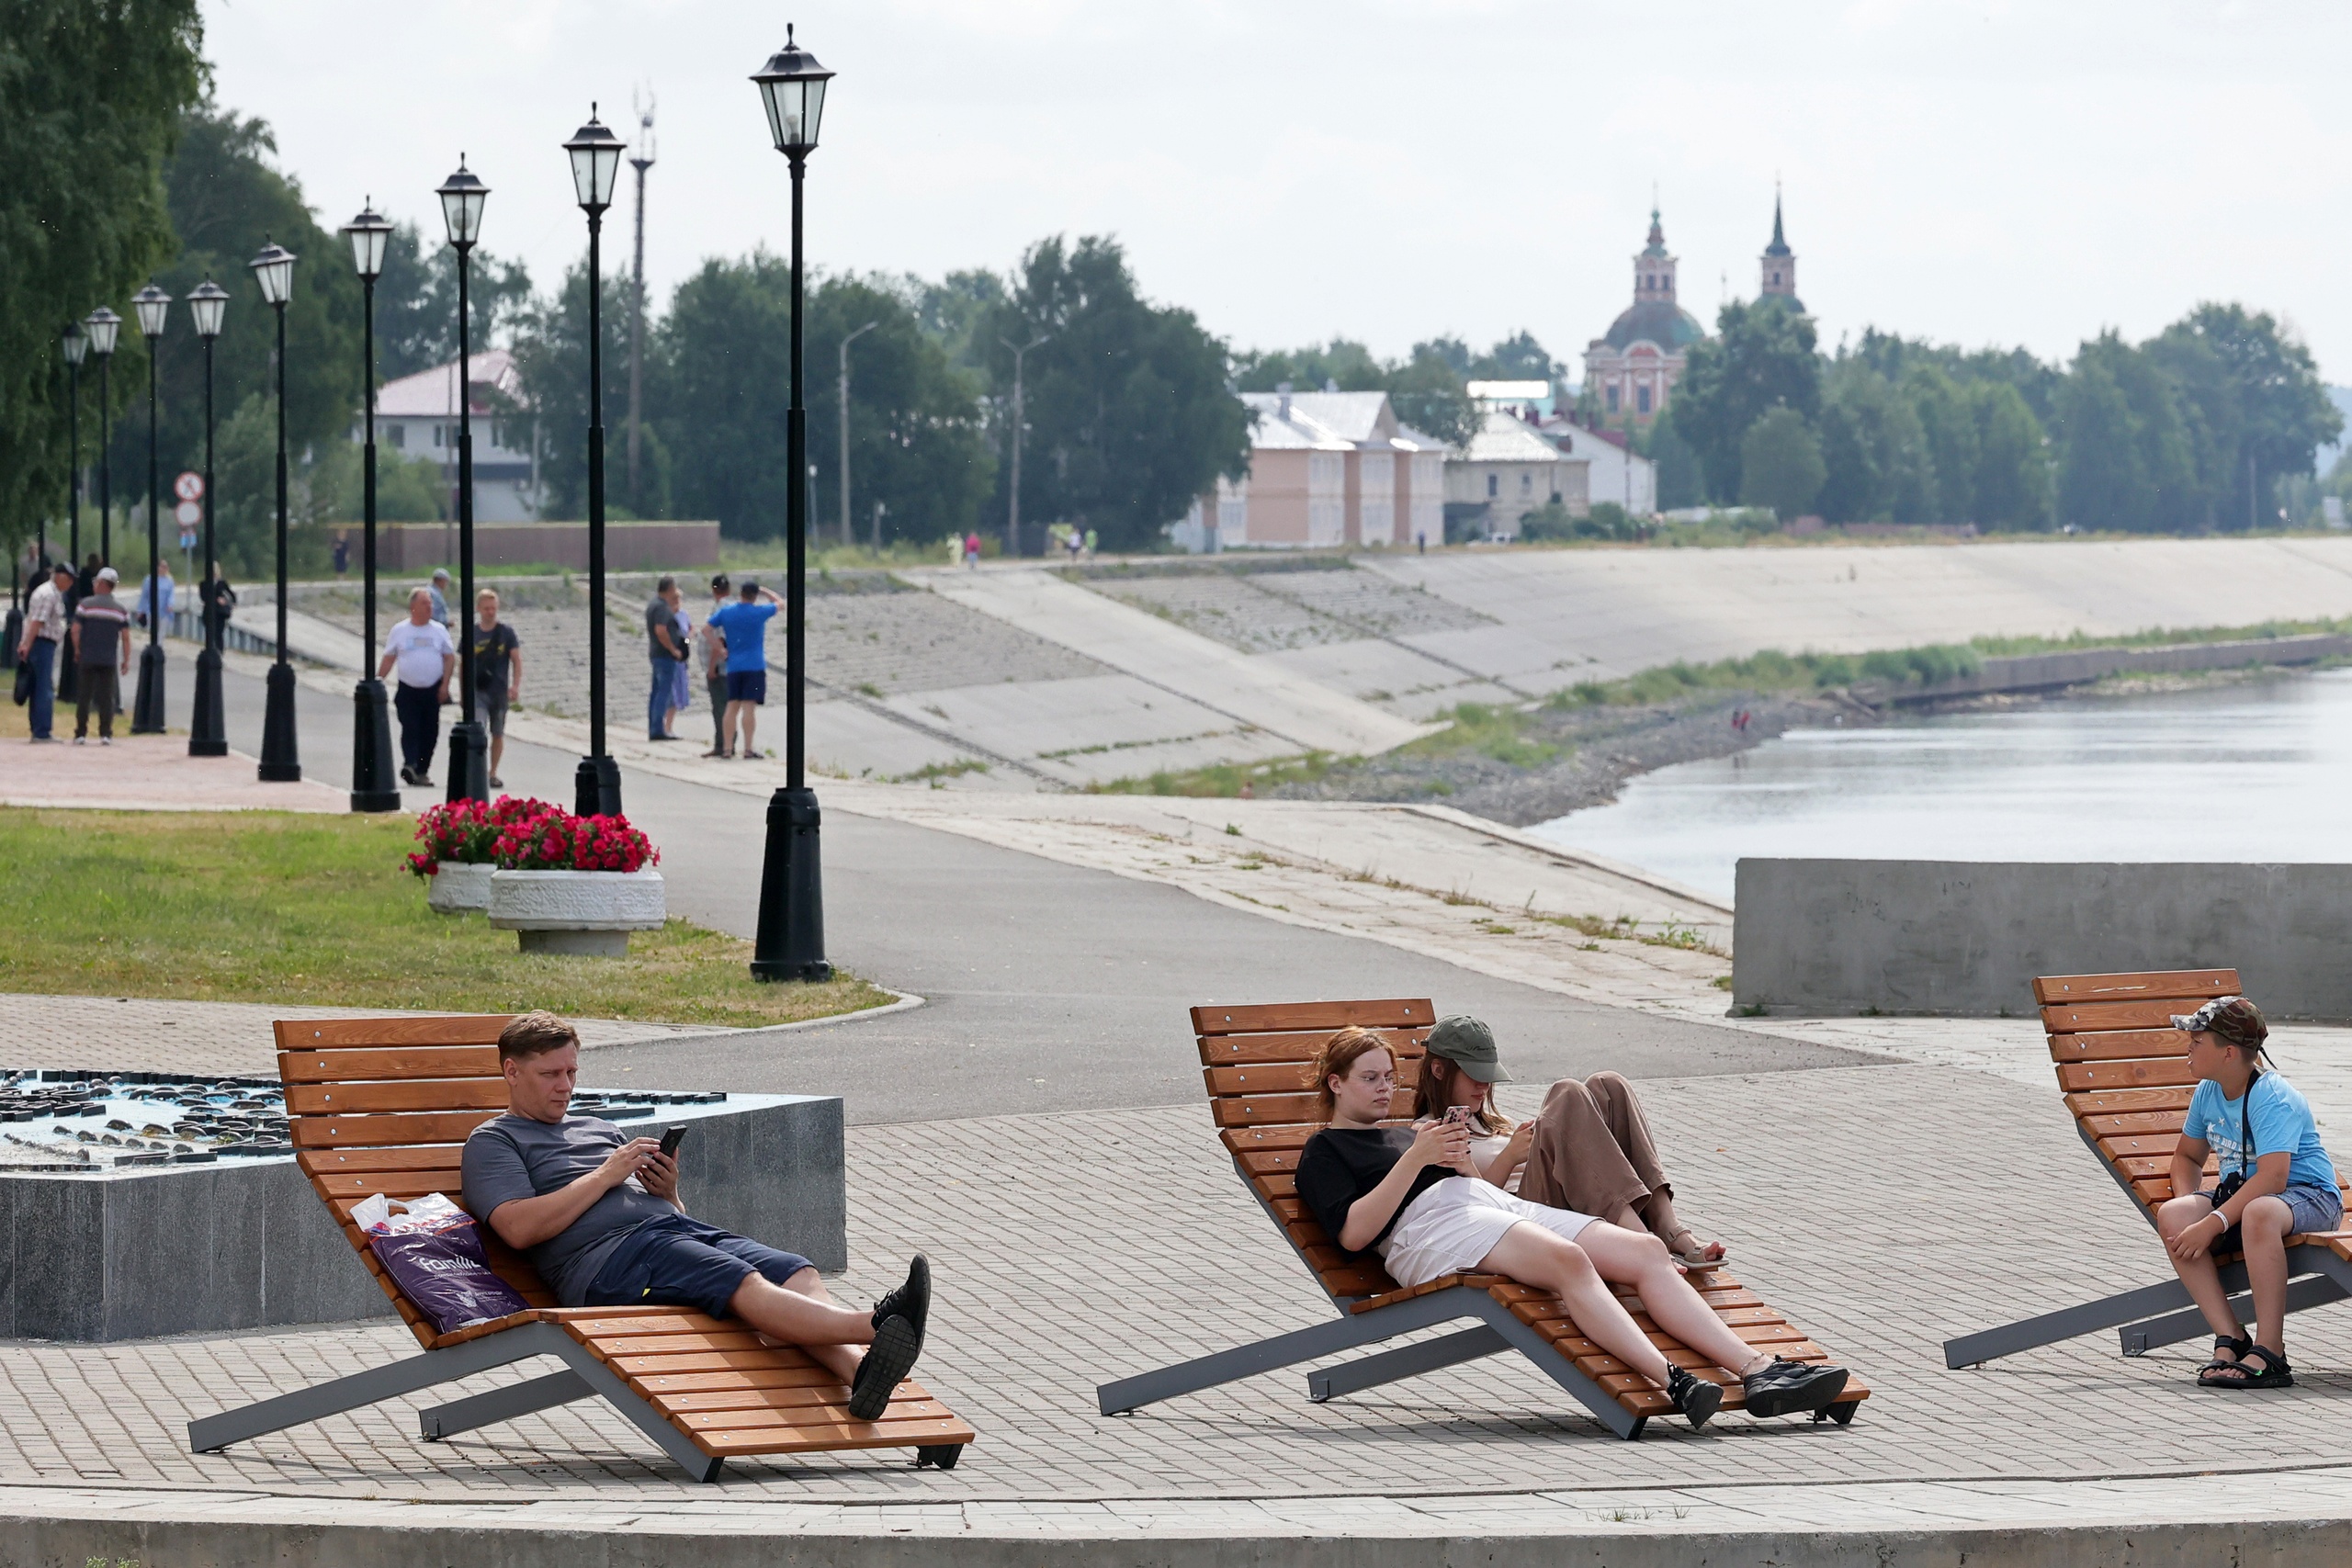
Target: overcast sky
1986	173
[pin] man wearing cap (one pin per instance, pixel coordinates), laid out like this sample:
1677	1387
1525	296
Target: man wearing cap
1590	1149
101	656
2275	1181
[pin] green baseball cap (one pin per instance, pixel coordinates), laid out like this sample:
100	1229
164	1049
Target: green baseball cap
1468	1044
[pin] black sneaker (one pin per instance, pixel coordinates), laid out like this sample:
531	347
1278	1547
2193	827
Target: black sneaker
1695	1399
911	1301
1792	1388
887	1361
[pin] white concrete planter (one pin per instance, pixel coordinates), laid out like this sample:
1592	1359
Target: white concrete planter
588	912
456	887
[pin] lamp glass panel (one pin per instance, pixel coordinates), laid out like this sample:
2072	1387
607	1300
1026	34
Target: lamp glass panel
209	304
102	325
77	344
154	308
367	242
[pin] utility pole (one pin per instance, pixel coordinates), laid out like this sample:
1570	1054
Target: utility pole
852	337
1013	512
641	160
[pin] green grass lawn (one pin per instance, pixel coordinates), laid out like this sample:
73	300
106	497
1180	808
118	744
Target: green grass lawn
280	906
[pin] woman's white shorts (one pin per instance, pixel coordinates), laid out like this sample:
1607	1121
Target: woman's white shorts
1450	1228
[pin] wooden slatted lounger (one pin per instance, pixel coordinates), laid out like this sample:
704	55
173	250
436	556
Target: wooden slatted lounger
1257	1061
2123	1071
384	1105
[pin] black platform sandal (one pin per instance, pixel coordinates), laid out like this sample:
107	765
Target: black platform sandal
2275	1373
2205	1378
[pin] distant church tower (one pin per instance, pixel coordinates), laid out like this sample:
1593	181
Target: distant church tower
1779	268
1633	368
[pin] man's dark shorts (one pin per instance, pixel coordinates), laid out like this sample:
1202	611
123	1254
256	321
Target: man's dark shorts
747	685
675	1261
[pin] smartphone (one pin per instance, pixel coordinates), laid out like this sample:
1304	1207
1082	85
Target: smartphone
1459	1113
670	1138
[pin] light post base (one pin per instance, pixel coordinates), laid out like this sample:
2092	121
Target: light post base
469	762
207	726
373	787
281	760
791	940
147	706
596	787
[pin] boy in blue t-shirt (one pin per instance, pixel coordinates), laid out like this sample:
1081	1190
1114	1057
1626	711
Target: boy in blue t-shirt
744	625
2275	1181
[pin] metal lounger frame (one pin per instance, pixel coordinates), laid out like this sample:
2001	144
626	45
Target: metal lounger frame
585	1377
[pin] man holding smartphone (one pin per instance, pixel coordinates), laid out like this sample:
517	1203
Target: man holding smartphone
600	1215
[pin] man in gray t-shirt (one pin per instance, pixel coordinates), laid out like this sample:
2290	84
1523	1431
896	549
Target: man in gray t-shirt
600	1215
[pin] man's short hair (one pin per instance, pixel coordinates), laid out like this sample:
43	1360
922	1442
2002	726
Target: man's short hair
534	1034
665	585
718	583
489	594
415	591
750	591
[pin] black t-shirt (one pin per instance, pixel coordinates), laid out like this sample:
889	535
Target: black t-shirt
1340	1164
492	661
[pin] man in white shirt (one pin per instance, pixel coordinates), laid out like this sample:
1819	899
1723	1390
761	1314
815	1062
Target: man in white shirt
420	649
44	634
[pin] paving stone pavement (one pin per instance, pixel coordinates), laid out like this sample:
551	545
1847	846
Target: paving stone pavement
1881	1208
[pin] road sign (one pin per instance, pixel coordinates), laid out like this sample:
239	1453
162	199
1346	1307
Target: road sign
187	538
188	487
189	513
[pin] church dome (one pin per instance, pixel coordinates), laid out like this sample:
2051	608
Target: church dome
1660	321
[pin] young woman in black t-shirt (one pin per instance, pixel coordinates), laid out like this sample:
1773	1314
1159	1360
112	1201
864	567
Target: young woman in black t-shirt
1413	1195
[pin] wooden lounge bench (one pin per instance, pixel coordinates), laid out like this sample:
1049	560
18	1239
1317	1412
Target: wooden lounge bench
1258	1062
384	1105
2123	1072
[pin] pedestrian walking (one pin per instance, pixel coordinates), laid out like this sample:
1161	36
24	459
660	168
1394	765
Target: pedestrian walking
418	648
667	655
440	591
745	625
215	602
44	634
713	664
342	554
498	674
157	594
100	636
972	548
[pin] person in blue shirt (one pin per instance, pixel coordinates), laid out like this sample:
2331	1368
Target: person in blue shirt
2275	1181
744	625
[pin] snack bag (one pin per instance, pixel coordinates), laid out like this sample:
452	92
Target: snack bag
434	1252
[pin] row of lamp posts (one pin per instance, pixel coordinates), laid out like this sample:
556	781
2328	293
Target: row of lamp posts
791	943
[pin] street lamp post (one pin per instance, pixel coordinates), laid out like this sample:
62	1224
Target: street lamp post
76	344
153	307
372	788
595	164
791	943
281	760
102	325
1020	419
462	195
844	411
207	730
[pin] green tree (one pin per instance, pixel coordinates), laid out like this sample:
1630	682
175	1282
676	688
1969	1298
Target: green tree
1426	389
416	304
1427	393
1948	423
1679	480
2129	458
1342	366
918	439
2011	485
2258	405
1130	417
1874	448
1758	358
1779	464
721	414
91	96
551	358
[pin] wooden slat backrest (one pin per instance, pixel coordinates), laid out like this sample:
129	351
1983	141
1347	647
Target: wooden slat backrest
1257	1063
2123	1068
384	1105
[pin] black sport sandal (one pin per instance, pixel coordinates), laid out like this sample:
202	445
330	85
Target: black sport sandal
1792	1388
1695	1399
2206	1377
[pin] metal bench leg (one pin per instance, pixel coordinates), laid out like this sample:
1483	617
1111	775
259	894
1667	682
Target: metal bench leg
602	1380
2032	1333
502	1405
213	1433
1560	1370
1410	1360
2139	1338
1347	1332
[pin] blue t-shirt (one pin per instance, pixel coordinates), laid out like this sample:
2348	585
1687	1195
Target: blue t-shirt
2280	1119
745	628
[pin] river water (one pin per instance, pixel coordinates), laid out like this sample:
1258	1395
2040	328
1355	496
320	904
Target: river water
2256	770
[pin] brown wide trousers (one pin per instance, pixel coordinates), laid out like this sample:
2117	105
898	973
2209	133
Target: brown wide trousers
1593	1152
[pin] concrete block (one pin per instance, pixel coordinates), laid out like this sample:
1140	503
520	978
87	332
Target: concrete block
1967	938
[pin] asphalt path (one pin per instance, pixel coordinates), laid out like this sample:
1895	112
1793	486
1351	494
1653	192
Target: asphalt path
1047	986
